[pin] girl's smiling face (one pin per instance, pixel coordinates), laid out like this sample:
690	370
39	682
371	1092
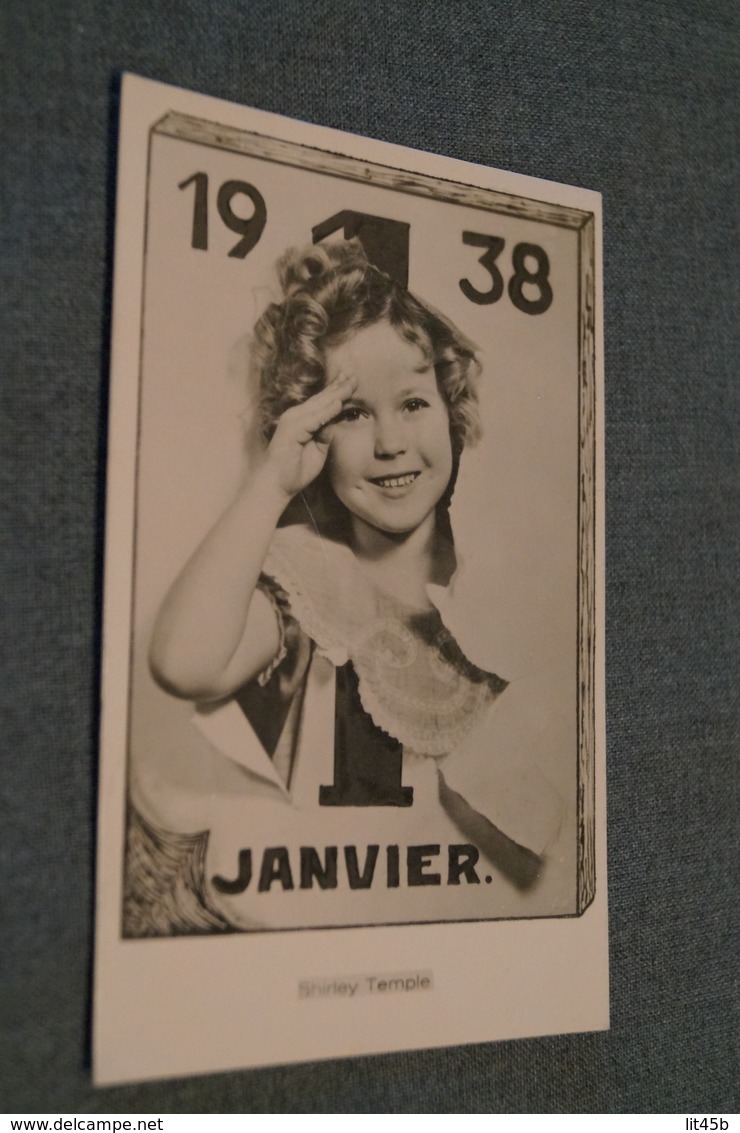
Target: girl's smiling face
390	459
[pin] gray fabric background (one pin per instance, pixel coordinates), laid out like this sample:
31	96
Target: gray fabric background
638	100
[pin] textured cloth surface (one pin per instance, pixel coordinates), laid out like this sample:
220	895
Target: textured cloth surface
636	100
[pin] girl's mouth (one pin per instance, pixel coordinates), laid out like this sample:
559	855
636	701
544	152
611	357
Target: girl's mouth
401	481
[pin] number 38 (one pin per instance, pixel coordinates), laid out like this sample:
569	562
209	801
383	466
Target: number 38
537	278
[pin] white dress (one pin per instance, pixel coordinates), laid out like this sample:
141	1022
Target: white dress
370	728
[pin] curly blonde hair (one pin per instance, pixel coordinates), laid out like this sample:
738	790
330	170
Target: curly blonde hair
330	292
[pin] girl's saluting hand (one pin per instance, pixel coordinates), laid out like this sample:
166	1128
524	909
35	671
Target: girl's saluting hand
298	449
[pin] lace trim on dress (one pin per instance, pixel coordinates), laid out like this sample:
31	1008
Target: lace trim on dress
414	679
280	603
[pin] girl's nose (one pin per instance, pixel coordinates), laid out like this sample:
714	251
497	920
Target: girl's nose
389	438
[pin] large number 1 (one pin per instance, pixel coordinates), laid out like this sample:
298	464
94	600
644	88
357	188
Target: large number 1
385	241
367	761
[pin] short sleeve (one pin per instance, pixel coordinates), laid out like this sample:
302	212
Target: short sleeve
278	599
292	638
272	700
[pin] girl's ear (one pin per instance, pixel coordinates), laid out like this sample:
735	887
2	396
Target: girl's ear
446	498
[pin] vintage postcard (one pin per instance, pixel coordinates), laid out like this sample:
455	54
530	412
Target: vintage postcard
352	754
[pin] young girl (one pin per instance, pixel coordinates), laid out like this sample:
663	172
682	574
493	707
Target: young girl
324	559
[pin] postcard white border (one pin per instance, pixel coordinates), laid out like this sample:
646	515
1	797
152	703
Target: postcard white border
195	1005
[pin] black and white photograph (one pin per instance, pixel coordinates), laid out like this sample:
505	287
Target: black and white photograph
353	665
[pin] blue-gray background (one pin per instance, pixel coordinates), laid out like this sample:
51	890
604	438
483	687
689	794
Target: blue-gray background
638	100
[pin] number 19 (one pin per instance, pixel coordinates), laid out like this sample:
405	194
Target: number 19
249	228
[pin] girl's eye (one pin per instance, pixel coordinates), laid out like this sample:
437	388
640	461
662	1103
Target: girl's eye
416	403
351	413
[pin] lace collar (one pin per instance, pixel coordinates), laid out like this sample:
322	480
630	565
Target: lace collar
414	680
